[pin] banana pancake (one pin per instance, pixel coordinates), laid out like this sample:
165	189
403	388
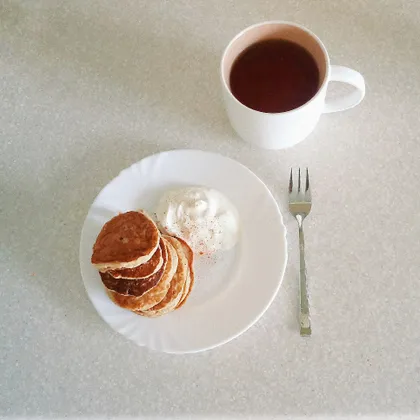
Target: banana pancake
134	287
175	292
157	293
142	271
189	282
125	241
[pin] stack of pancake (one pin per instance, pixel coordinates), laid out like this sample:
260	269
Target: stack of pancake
142	270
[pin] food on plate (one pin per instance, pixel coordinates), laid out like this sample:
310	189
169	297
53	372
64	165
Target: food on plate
154	295
189	281
157	285
143	270
178	283
151	273
132	286
203	217
126	241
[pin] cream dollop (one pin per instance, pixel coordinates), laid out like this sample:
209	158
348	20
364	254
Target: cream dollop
203	217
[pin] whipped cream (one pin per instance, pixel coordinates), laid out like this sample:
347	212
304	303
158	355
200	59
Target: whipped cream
203	217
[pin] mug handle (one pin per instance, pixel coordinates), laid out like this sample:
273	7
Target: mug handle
351	77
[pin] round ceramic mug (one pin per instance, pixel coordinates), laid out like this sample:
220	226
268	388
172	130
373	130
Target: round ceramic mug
285	129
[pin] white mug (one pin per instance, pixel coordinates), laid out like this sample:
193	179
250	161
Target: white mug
285	129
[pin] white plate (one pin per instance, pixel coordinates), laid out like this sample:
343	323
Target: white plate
231	290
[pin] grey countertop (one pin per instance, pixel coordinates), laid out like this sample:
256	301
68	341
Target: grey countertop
89	87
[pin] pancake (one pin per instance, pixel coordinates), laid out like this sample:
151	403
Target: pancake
142	271
126	241
130	287
157	293
175	292
189	283
134	287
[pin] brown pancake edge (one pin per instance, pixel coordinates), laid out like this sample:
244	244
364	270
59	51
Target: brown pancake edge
136	287
154	295
176	289
190	257
143	270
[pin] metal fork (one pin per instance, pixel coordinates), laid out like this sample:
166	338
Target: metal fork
300	203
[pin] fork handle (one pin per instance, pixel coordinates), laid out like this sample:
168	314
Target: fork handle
304	316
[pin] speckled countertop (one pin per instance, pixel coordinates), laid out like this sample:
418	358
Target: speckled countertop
89	87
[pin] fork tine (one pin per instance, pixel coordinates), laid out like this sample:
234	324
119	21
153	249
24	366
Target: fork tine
307	187
291	181
307	180
299	182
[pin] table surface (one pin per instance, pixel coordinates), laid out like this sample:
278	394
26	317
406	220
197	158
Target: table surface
90	87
